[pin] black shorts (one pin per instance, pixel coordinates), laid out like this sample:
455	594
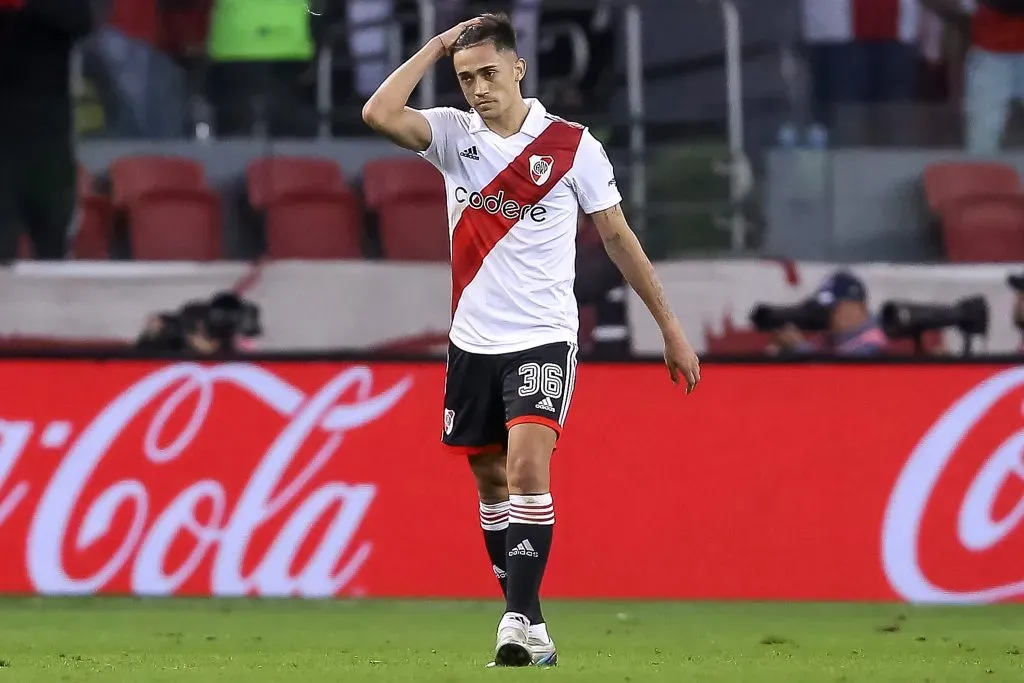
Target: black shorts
486	395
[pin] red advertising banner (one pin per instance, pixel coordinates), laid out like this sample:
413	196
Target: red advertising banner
842	482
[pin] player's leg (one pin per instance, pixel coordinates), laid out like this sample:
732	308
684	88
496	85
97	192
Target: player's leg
474	427
538	387
492	487
530	531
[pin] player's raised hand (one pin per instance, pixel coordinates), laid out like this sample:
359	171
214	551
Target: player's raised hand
682	362
449	37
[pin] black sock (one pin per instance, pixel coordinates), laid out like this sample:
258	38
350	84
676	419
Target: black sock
494	522
528	543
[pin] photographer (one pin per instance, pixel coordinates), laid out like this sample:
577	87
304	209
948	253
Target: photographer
223	325
850	329
1016	283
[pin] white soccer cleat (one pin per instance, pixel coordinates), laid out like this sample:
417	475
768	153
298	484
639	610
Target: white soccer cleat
543	651
512	648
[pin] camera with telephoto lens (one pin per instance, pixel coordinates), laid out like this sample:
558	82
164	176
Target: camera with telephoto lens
228	316
222	319
906	319
807	316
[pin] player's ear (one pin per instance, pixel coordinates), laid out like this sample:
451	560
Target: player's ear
519	69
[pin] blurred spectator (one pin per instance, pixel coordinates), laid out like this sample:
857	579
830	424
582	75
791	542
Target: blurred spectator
260	53
853	331
144	89
369	40
860	52
37	163
995	71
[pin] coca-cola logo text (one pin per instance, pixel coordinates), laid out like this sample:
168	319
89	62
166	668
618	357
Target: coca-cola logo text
985	519
177	401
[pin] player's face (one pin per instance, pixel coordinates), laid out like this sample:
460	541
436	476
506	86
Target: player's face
489	78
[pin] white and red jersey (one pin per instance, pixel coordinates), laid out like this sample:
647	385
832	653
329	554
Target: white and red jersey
842	21
513	210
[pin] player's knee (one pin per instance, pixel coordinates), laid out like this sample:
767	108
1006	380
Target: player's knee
529	459
528	475
490	475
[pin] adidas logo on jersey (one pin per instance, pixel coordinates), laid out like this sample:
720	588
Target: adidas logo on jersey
545	404
470	153
525	549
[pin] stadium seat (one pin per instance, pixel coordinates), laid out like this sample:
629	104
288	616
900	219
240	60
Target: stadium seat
400	179
949	182
134	177
409	198
171	212
92	239
984	229
25	250
586	231
315	225
415	230
271	178
588	321
176	225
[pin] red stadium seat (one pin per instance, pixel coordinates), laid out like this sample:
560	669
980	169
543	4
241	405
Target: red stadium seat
588	321
271	178
949	182
415	230
134	177
984	229
390	180
91	241
586	231
25	250
95	213
172	213
315	225
409	197
176	225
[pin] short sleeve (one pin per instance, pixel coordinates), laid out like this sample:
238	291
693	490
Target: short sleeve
443	121
593	176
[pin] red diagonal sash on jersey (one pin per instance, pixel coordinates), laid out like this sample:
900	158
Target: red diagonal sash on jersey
478	231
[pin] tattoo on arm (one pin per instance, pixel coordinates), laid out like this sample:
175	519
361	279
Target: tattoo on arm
660	300
626	253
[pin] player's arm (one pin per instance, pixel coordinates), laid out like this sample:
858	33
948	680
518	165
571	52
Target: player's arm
593	180
628	255
388	111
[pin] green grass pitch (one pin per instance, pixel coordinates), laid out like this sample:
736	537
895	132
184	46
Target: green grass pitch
202	641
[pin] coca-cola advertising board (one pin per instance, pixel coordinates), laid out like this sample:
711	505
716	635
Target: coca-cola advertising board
806	481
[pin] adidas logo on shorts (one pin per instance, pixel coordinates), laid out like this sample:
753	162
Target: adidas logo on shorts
545	404
525	549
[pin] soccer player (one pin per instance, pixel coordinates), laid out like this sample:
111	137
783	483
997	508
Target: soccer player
516	178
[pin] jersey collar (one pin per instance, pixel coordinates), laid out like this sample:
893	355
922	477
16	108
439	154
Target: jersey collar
533	126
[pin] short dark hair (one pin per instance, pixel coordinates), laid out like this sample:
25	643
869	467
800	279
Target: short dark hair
489	28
